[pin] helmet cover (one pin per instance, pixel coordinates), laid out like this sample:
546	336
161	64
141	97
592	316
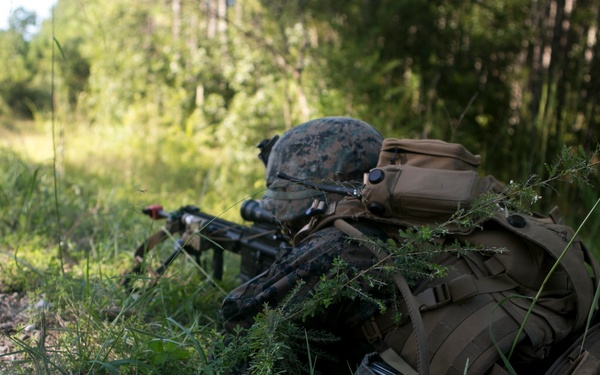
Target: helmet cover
330	150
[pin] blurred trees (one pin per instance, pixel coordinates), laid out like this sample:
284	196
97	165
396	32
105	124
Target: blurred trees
17	94
513	80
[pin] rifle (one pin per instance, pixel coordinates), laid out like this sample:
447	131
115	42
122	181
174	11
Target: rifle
257	244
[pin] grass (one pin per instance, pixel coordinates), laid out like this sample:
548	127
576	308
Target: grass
87	322
90	324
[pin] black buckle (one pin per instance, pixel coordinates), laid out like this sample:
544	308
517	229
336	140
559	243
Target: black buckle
265	148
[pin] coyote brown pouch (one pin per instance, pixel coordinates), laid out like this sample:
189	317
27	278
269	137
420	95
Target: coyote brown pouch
427	153
421	193
424	180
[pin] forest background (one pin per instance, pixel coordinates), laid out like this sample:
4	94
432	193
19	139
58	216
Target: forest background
111	106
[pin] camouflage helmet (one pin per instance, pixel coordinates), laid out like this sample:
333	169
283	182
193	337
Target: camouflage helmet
328	150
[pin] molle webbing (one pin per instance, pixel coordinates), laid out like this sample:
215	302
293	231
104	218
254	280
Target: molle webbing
457	333
478	293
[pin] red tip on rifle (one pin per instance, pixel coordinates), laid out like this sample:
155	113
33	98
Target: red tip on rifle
154	211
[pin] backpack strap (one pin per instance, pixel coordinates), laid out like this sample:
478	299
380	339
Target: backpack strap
413	311
461	288
457	333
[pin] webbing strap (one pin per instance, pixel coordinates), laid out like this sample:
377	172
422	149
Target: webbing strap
498	370
462	288
586	364
413	310
580	356
393	359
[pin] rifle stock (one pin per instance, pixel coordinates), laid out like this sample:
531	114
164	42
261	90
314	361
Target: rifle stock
257	244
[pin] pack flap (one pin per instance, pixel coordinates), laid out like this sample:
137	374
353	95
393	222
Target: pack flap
427	153
553	238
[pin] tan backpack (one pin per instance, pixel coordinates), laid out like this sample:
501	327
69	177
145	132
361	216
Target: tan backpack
470	318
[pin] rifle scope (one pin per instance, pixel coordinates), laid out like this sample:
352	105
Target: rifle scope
251	211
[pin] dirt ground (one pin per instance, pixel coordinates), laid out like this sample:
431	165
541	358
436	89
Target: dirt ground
17	316
13	318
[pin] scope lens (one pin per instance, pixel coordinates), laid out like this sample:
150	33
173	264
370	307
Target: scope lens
251	211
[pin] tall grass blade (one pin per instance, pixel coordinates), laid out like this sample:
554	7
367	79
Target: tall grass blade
504	358
54	151
556	264
310	361
195	342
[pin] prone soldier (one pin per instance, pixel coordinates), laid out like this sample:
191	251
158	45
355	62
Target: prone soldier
470	320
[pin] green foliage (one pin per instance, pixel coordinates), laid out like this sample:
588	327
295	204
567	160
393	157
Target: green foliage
271	345
224	78
155	104
338	286
19	96
20	194
92	325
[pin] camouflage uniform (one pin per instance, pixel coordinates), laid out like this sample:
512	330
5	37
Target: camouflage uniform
308	261
334	150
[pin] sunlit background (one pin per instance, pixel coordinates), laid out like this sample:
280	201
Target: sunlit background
42	9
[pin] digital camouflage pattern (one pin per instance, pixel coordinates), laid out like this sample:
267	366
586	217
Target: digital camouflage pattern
308	261
330	150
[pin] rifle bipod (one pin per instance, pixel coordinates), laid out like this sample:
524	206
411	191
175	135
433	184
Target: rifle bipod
257	244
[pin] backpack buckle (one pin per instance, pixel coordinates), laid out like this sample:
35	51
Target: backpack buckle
434	297
371	331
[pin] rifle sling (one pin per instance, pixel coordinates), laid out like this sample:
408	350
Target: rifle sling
149	244
154	240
